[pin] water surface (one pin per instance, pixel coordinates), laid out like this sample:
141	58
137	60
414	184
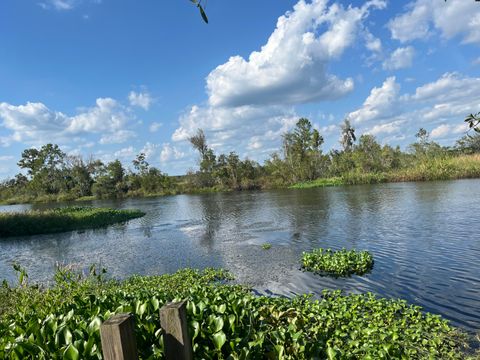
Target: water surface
423	236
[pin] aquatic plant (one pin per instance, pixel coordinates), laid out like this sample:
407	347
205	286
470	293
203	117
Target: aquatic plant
225	321
338	263
61	219
266	246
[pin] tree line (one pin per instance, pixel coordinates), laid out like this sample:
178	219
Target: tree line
49	173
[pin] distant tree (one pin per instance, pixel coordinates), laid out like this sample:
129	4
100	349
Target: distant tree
347	138
469	144
422	136
368	154
140	164
207	159
46	168
302	151
199	142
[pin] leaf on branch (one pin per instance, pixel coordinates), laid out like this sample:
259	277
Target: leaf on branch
202	12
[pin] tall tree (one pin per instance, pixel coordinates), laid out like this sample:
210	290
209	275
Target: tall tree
347	138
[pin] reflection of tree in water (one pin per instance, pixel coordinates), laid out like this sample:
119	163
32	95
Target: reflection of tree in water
306	211
211	207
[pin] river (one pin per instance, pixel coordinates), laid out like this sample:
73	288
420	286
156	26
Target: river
424	238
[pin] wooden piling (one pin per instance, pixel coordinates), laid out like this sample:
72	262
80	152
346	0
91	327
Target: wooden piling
177	342
118	338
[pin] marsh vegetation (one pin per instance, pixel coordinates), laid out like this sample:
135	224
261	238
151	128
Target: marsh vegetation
56	220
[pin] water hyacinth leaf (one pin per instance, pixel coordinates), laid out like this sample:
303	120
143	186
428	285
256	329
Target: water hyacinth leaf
217	324
94	325
71	353
219	340
331	353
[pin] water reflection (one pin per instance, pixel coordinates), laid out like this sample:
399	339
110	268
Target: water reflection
423	237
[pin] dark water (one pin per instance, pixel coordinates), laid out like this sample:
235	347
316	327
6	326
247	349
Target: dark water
424	238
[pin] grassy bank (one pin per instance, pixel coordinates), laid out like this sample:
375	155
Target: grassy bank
61	219
225	321
448	168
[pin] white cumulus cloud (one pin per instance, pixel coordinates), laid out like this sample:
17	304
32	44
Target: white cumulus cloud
450	18
35	123
143	99
291	67
439	106
400	58
379	104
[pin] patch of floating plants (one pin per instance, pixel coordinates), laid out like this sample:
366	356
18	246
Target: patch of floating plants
56	220
337	263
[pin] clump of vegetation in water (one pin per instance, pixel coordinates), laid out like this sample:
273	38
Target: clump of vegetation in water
225	321
266	246
338	263
61	219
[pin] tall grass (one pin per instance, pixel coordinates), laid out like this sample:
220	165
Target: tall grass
61	219
429	169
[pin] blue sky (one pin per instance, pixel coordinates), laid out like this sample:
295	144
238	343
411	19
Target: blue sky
114	78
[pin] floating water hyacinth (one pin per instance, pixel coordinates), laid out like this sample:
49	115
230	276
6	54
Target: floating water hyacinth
339	263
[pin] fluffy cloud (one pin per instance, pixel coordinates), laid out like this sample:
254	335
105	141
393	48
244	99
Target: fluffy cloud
445	129
143	100
451	18
400	58
439	106
380	104
273	76
170	152
372	43
36	123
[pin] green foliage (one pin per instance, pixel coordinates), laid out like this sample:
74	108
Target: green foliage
303	156
61	219
300	163
473	121
225	321
266	246
338	263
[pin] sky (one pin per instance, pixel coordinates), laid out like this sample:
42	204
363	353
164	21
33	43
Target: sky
113	78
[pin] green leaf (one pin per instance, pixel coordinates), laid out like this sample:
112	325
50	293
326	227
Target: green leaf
219	340
67	335
331	353
94	325
202	12
71	353
217	324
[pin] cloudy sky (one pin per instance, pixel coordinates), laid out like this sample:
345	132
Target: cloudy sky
112	78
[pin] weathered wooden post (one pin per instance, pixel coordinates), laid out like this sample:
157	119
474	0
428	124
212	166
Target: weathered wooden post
118	338
173	320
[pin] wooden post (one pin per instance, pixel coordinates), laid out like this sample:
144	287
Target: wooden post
118	338
177	343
